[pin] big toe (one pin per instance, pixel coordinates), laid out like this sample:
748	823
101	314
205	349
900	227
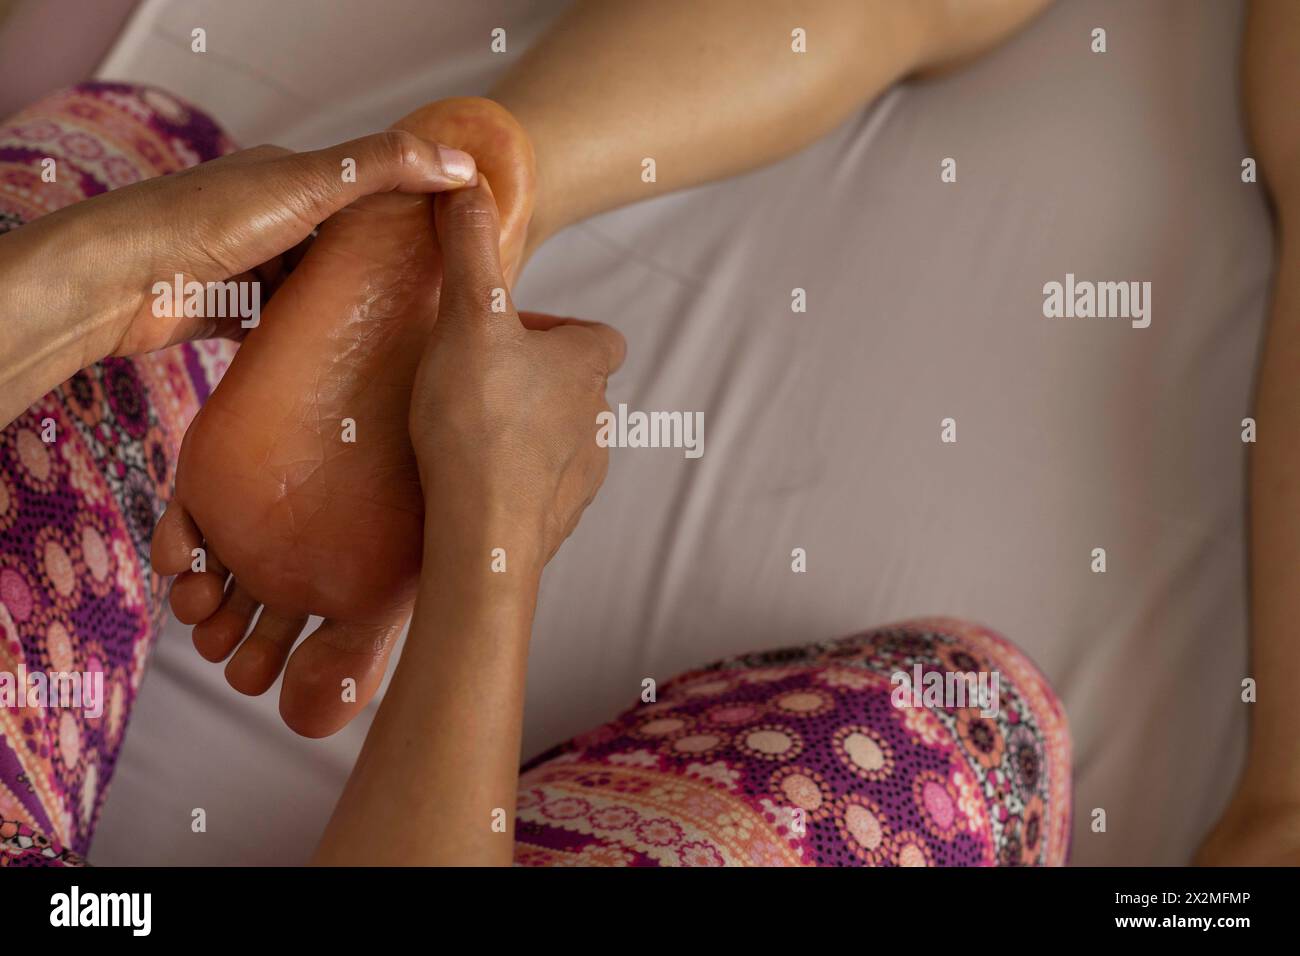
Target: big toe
335	673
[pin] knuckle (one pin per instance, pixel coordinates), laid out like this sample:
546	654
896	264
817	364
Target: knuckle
586	374
473	296
266	149
596	378
595	368
397	149
464	214
311	180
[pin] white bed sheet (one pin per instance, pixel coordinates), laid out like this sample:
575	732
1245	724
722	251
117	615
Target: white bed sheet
822	429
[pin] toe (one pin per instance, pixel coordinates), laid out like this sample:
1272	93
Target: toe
335	672
217	636
175	537
195	597
261	657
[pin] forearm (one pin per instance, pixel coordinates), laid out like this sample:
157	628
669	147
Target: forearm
435	782
49	328
502	423
1271	61
707	90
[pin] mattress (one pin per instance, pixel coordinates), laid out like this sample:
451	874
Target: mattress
925	301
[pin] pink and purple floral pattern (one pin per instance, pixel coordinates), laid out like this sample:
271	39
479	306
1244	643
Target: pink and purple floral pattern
800	757
84	474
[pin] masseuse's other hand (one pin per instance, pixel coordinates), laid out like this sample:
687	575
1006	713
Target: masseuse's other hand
231	218
503	412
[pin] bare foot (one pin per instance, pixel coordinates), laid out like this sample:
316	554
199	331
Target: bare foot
297	477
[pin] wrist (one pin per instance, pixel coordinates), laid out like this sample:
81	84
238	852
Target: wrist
480	585
66	287
48	331
482	547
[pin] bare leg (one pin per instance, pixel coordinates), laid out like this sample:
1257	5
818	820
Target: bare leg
709	90
1262	824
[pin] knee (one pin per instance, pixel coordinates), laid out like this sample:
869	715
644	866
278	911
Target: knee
953	32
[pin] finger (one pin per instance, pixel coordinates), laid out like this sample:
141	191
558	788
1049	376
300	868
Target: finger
541	322
607	341
196	328
272	273
610	340
291	259
469	235
614	343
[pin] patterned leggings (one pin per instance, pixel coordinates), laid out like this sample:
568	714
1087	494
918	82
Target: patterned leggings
791	758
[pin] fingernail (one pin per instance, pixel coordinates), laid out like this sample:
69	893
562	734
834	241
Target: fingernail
458	165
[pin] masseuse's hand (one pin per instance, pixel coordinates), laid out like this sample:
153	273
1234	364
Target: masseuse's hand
503	412
503	418
79	282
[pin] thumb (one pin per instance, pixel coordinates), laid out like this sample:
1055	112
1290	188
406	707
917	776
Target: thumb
474	290
394	160
232	214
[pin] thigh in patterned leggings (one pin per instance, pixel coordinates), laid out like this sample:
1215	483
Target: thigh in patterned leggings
804	757
77	512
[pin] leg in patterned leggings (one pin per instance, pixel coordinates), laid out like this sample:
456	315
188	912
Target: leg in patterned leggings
76	513
800	758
